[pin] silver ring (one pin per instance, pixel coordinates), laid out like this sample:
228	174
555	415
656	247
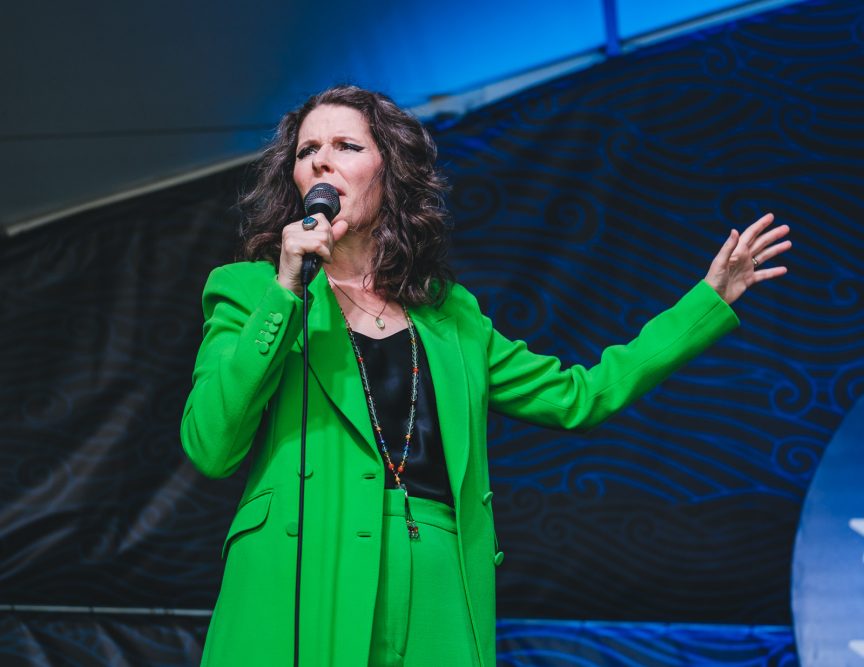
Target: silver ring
755	262
310	223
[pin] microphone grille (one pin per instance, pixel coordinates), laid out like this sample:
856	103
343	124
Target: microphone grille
322	194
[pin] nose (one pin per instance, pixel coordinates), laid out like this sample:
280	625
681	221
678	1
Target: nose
321	160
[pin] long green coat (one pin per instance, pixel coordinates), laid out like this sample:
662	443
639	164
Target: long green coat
249	368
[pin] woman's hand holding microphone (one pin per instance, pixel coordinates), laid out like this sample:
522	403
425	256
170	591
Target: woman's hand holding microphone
299	240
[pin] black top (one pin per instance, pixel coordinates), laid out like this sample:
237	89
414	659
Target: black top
388	366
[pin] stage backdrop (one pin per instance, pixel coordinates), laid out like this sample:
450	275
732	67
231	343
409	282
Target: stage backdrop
581	208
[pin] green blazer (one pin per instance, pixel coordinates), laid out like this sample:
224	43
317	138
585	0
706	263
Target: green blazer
247	382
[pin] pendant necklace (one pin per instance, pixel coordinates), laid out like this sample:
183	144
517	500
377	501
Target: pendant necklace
378	321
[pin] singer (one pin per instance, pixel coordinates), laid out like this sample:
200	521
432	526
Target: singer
399	547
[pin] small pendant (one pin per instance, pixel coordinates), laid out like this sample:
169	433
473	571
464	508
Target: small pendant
379	323
413	530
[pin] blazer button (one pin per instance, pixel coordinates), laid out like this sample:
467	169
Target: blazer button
487	497
263	347
272	328
276	318
499	558
291	528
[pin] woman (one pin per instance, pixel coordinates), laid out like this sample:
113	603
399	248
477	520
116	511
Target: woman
399	544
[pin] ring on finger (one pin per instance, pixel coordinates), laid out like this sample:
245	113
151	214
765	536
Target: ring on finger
755	262
309	223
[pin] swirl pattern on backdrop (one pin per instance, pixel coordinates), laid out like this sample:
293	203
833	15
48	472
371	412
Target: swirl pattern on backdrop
616	187
99	503
599	644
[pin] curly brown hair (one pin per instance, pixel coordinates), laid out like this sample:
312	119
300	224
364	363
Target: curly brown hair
412	235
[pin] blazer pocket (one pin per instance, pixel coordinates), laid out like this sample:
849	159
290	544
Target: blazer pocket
250	516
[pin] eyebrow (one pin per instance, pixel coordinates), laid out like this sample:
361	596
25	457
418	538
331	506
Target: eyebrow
338	137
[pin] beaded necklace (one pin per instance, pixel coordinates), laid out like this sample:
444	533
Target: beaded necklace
413	530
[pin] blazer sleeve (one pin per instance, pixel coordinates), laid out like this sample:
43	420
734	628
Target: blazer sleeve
250	322
535	387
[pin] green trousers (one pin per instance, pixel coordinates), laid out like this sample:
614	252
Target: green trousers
421	613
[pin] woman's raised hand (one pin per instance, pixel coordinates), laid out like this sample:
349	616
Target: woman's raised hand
298	241
737	266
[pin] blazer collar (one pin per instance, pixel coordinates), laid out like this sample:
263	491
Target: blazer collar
331	359
440	335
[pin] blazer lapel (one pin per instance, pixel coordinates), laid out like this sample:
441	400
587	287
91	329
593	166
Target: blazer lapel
440	337
331	359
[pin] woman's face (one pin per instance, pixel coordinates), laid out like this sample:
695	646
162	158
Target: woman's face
335	146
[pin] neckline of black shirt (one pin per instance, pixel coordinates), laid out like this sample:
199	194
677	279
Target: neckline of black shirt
388	368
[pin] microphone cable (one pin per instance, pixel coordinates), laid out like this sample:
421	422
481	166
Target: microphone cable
302	470
321	198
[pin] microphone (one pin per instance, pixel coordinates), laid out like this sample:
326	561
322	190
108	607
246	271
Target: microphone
321	198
